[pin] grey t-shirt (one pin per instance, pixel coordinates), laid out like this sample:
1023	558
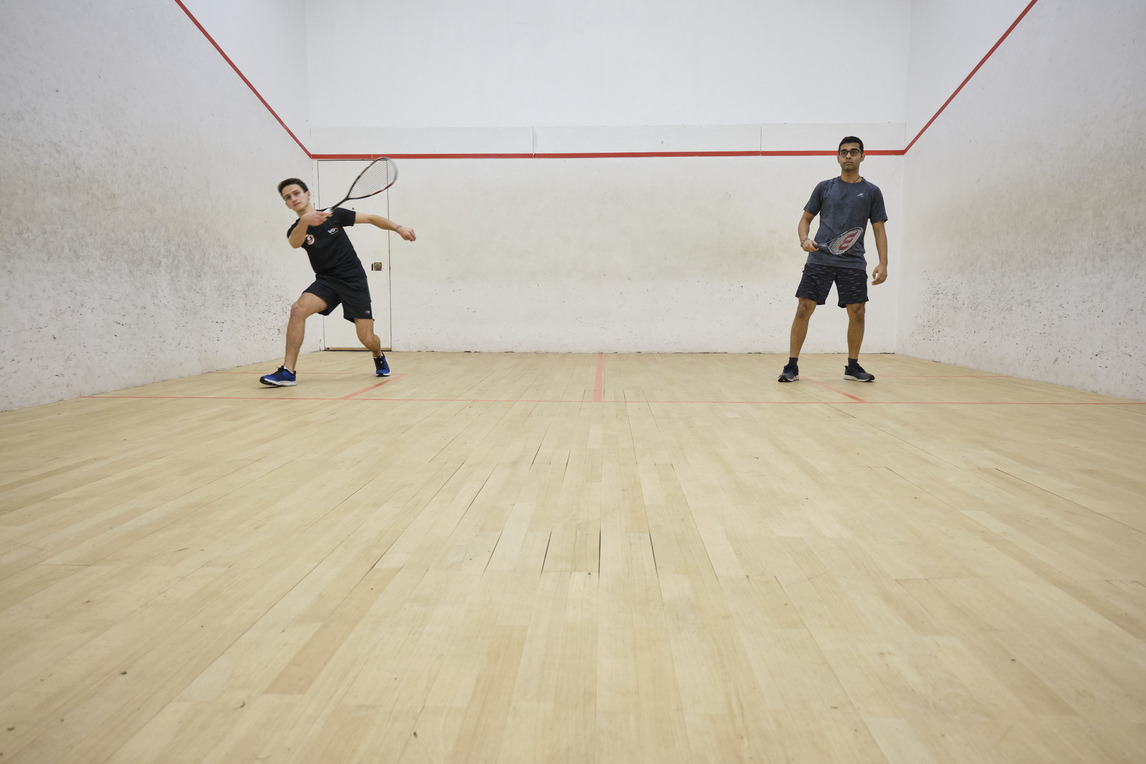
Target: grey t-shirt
844	210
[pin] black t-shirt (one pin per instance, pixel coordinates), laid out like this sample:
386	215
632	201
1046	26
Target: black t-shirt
329	248
844	209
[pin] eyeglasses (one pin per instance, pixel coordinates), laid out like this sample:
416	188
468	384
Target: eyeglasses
850	152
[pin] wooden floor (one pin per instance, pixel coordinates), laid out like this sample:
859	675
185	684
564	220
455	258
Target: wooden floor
575	558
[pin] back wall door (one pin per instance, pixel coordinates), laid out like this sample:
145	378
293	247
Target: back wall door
373	248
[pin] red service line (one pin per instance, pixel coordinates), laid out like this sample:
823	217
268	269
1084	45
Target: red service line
364	390
834	390
605	155
853	401
237	373
599	388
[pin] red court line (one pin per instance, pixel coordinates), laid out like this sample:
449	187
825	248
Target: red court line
603	154
834	390
243	77
311	373
599	388
885	375
607	155
967	79
269	396
364	390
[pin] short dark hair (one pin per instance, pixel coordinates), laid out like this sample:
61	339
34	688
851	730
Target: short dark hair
847	139
292	182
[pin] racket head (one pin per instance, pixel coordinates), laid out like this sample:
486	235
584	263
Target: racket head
842	243
375	178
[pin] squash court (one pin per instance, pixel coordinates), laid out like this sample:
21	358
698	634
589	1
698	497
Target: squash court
575	557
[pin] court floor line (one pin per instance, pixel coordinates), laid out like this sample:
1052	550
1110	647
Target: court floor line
599	388
364	390
853	401
599	394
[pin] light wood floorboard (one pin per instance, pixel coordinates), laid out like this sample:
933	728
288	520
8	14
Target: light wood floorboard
575	558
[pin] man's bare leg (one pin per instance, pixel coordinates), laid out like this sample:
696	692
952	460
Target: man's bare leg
306	306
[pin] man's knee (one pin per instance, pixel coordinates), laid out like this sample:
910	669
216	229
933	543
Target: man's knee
856	312
804	309
365	331
307	306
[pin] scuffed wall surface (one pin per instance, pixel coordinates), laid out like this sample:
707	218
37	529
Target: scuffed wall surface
1023	229
144	239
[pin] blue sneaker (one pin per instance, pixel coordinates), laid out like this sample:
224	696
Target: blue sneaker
381	368
281	378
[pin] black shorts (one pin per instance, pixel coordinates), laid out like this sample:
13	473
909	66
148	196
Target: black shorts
851	284
353	295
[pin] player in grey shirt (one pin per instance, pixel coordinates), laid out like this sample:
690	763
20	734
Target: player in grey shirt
836	256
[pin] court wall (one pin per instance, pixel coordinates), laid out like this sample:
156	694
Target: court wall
946	42
569	247
269	43
142	168
1023	227
619	254
144	236
611	63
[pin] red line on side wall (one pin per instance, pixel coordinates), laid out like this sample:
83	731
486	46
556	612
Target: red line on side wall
247	82
604	154
967	79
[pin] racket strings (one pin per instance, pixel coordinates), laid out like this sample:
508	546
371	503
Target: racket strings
378	176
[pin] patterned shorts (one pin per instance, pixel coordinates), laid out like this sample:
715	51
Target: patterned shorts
851	284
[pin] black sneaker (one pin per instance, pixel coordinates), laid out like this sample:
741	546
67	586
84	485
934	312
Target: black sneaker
855	373
381	368
790	374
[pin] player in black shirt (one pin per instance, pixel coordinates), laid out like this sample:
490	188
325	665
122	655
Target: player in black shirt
845	205
339	276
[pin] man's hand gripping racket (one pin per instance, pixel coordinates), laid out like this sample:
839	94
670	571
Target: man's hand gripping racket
375	178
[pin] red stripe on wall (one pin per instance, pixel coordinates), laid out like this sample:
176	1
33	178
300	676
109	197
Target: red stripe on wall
606	154
967	79
247	82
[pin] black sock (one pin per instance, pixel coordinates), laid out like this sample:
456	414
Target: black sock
853	362
793	362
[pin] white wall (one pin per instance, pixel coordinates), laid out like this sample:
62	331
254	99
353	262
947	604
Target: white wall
618	254
1024	230
1014	224
948	40
505	63
143	238
268	41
